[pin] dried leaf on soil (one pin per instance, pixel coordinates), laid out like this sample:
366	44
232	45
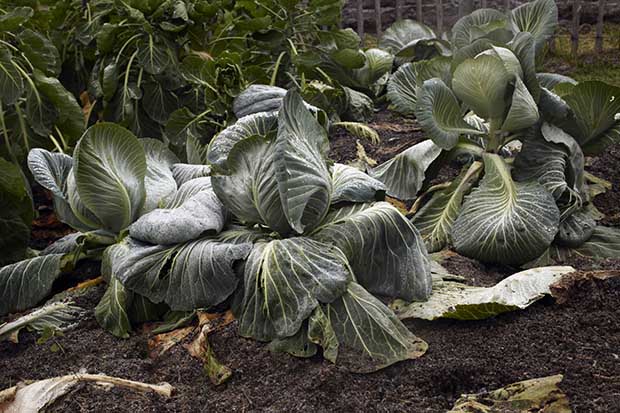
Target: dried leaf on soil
32	397
535	395
201	349
455	300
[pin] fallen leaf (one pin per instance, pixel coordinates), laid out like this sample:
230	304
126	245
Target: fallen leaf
201	349
536	395
463	302
161	343
33	397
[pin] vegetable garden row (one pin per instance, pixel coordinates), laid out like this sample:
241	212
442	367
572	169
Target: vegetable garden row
186	143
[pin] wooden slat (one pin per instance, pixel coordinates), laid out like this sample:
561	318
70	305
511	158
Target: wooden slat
360	18
439	11
598	45
378	16
575	27
418	12
399	9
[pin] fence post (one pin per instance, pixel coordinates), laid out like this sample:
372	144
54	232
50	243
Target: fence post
483	4
507	5
378	13
418	12
399	9
575	28
360	19
598	45
439	11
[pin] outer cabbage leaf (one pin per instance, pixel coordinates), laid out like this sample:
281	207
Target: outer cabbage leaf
539	17
352	185
197	274
435	219
403	175
440	115
110	168
194	211
258	98
369	334
523	111
304	181
257	124
159	181
16	212
11	82
397	266
25	283
112	311
504	221
481	23
402	33
285	280
183	172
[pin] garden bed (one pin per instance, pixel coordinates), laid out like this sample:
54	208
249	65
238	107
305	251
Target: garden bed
580	339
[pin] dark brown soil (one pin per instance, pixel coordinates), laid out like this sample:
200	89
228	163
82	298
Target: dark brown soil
608	165
580	339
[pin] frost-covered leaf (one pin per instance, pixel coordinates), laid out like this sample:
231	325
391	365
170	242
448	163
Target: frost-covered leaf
505	221
285	280
576	229
249	189
27	282
257	124
440	114
352	185
183	172
159	181
258	98
435	219
192	212
57	316
112	311
303	178
197	274
369	334
403	175
110	168
463	302
384	249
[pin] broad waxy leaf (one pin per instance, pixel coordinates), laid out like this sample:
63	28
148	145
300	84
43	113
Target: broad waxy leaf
11	21
595	106
183	172
551	80
435	219
70	117
476	25
481	83
321	332
158	102
159	182
523	47
112	311
304	181
40	51
250	191
463	302
50	170
604	243
440	115
403	84
11	82
258	98
403	32
154	56
539	17
505	221
285	280
398	265
369	334
403	175
352	185
576	229
257	124
378	64
26	283
523	111
182	220
16	212
544	162
110	168
197	274
57	316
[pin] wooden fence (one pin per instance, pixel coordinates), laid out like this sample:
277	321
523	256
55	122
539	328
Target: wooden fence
432	12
